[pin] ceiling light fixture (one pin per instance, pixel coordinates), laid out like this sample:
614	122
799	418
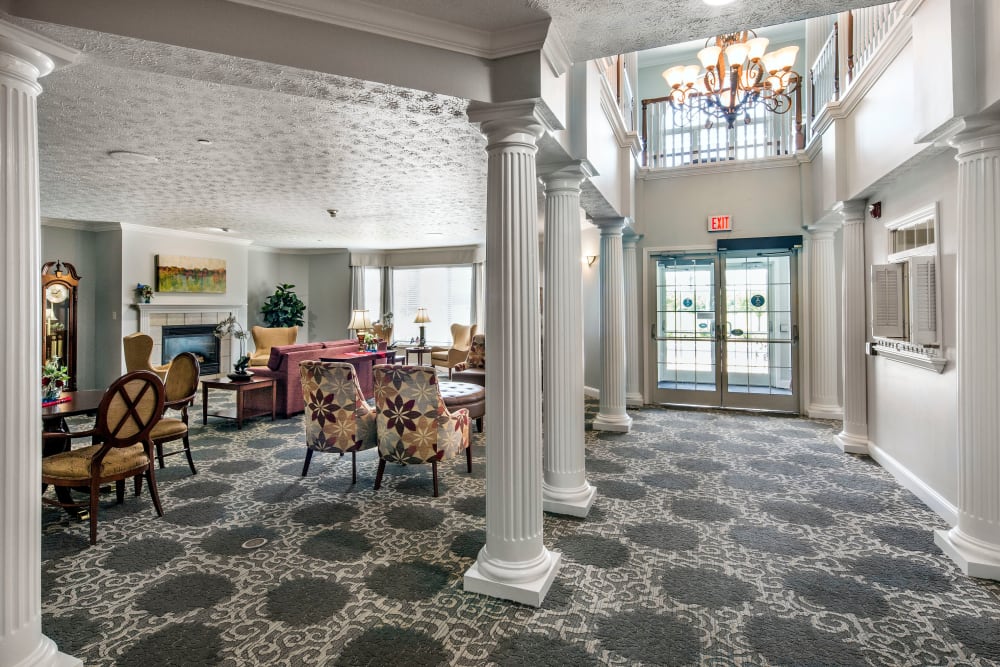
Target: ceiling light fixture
332	212
205	142
717	3
738	75
132	157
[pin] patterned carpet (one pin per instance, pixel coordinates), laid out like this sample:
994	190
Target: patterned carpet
716	539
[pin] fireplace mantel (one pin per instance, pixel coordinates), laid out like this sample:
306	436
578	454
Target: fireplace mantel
146	309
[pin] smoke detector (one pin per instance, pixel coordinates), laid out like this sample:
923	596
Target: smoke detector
332	211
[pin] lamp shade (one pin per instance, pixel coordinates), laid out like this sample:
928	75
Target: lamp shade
709	56
422	316
360	321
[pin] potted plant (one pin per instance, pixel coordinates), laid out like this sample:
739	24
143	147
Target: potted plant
231	327
143	293
54	378
283	308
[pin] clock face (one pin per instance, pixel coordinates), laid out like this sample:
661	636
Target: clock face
56	293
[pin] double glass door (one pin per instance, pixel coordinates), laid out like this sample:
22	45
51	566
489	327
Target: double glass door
725	331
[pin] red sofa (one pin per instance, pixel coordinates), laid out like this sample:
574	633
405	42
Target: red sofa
283	366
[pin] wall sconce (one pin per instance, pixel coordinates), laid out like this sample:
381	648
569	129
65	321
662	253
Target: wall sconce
591	259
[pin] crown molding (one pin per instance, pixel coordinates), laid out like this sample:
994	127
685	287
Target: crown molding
166	231
781	162
81	225
410	27
556	54
298	251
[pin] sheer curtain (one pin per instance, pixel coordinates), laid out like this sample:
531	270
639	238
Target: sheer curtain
479	296
357	287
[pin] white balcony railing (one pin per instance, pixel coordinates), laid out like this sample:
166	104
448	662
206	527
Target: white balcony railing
824	75
867	28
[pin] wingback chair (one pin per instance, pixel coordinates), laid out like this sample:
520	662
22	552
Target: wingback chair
473	369
138	350
264	338
337	417
414	425
181	388
461	340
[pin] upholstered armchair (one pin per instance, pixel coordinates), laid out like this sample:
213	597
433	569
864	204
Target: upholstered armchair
138	350
337	417
461	340
473	369
264	338
413	423
181	387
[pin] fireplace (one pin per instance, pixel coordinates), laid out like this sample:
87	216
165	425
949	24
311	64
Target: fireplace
199	339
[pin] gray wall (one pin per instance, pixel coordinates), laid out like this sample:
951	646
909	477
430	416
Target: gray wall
330	295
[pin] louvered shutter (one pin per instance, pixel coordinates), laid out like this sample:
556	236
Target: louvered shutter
887	300
923	301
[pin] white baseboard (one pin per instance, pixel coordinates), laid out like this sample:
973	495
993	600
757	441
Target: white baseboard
915	485
591	392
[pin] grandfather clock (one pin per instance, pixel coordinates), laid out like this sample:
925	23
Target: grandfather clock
59	294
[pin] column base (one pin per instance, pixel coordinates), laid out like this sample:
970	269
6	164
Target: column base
530	592
574	502
973	557
47	654
620	423
634	400
850	444
824	411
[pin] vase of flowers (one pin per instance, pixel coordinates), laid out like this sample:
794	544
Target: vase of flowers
143	293
54	378
231	327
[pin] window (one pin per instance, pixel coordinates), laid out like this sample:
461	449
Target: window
373	292
446	293
906	293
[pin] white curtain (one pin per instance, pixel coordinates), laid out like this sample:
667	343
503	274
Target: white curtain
479	296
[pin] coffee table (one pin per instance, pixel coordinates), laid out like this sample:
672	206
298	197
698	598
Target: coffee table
246	407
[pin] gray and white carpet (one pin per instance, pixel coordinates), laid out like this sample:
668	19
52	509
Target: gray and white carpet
716	539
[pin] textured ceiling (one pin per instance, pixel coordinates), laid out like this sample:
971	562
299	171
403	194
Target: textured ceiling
404	168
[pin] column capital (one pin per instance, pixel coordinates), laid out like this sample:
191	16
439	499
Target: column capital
39	52
610	226
572	171
630	239
519	121
851	212
979	135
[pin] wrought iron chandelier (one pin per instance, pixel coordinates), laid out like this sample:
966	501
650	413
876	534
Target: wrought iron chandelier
738	75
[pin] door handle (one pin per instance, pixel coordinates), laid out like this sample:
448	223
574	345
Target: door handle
795	334
652	330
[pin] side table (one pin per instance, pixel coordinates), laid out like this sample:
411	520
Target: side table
244	409
419	351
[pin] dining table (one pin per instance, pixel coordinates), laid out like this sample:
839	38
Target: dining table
81	402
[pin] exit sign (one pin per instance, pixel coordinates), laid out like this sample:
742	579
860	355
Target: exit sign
720	223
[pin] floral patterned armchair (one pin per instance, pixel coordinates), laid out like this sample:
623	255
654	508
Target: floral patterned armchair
414	425
337	419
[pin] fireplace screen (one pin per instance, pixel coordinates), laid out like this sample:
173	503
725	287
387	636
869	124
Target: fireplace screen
199	339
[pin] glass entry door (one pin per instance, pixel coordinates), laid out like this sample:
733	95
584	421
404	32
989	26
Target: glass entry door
725	332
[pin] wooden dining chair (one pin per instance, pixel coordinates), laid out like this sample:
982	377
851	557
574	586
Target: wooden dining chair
128	412
181	388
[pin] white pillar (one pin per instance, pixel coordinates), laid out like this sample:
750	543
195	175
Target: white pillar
564	486
975	542
24	58
514	564
853	438
633	371
611	415
824	325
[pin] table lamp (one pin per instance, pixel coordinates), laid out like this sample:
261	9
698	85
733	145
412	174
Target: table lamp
360	323
422	318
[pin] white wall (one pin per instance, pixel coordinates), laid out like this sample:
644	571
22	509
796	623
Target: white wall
912	413
329	295
988	55
590	244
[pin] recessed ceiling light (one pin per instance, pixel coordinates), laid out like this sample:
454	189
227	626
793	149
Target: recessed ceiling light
225	230
716	3
205	142
132	157
434	233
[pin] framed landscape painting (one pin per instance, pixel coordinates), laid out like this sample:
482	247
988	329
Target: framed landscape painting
175	273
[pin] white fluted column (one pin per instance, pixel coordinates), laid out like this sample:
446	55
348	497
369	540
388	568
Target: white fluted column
853	438
564	485
24	58
633	372
974	544
612	416
824	324
514	564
